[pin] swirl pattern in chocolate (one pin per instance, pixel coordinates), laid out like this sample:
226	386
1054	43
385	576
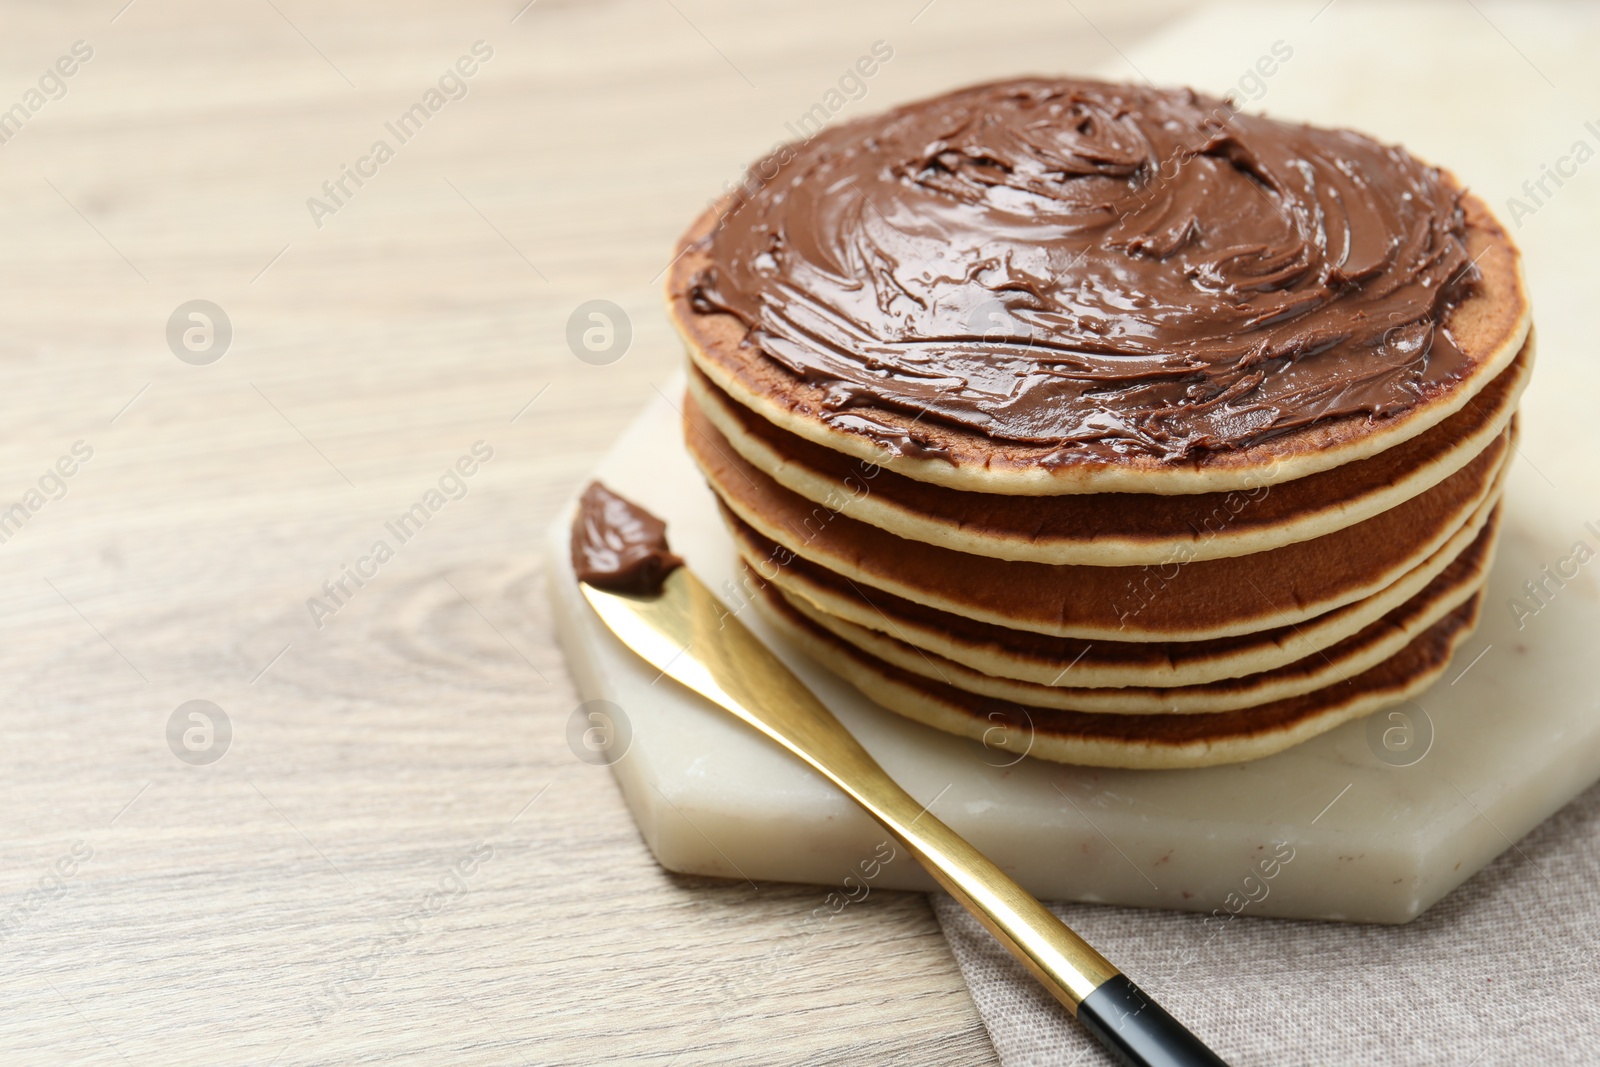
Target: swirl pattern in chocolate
1101	270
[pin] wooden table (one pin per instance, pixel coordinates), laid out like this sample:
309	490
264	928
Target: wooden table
396	856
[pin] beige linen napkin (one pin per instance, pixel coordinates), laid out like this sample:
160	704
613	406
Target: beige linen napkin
1502	971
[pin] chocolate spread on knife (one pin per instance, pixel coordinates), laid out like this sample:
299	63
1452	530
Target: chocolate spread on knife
618	545
1106	269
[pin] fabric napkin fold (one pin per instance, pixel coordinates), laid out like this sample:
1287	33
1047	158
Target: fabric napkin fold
1499	972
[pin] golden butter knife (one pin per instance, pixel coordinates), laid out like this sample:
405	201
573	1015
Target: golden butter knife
681	628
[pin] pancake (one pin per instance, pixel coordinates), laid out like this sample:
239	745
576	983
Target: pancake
1494	328
843	294
1148	742
1462	579
1180	601
1120	529
1041	660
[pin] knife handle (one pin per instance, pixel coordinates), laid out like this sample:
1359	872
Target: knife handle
1137	1031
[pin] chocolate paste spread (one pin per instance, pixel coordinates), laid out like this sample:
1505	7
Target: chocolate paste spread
618	545
1102	268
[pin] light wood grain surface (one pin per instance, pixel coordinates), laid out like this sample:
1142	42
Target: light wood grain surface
293	902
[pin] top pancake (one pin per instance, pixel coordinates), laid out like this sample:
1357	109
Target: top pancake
1486	328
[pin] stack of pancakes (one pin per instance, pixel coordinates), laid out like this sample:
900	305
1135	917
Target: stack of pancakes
1191	543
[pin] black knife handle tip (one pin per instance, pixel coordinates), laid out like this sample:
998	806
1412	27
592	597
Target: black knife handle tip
1137	1031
